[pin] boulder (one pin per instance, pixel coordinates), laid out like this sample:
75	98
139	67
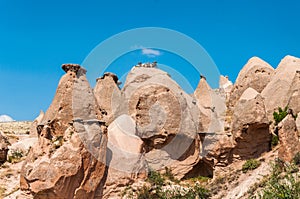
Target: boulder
125	159
68	161
250	126
108	96
289	140
255	74
166	120
217	148
294	93
276	92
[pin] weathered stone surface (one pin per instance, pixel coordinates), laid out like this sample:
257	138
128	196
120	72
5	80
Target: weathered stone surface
225	84
166	119
212	108
298	124
250	126
108	95
125	160
4	143
289	141
294	94
276	92
255	74
69	159
35	123
217	148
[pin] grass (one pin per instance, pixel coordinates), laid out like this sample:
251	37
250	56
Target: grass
159	188
250	164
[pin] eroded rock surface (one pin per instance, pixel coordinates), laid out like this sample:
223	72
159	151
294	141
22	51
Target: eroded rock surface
250	126
108	95
69	159
255	74
289	140
166	119
276	92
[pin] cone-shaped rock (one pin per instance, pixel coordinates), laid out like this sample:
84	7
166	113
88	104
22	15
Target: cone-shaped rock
211	106
108	96
255	74
225	83
250	126
276	92
69	159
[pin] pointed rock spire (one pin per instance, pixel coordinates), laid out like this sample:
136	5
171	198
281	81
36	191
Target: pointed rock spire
276	92
256	74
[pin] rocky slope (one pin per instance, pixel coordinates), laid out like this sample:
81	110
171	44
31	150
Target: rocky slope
95	143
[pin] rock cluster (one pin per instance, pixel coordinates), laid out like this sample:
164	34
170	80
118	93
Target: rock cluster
93	143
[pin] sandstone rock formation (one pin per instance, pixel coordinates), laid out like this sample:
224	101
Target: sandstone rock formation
225	84
108	96
211	106
255	74
69	159
276	92
298	124
125	158
294	93
95	143
35	123
250	126
289	140
3	148
166	119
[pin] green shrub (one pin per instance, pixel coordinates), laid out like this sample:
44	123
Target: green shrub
155	178
280	115
169	175
283	183
250	165
296	159
274	141
15	156
159	190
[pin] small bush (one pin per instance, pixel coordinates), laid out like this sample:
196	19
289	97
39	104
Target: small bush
250	165
283	183
159	190
280	115
168	174
296	159
15	156
274	141
155	178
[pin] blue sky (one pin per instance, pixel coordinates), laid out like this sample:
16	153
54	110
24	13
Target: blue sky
36	37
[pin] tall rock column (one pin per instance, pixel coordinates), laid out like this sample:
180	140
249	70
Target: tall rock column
69	159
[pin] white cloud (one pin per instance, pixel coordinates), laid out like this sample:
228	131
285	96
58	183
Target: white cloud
150	52
5	118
